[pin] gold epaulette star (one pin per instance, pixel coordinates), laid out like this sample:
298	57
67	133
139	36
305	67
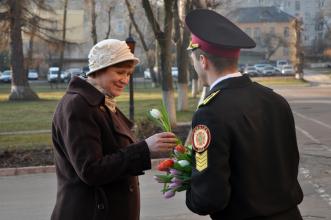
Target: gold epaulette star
209	98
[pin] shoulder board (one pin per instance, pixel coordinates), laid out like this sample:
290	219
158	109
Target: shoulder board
209	98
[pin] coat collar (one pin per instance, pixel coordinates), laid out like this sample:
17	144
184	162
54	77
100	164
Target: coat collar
79	86
231	83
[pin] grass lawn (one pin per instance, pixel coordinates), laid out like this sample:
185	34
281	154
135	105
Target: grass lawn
37	115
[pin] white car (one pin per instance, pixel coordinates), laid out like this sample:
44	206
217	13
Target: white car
6	76
52	74
251	71
287	70
147	74
174	72
268	70
33	75
259	67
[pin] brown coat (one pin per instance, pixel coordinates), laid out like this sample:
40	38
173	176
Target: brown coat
97	159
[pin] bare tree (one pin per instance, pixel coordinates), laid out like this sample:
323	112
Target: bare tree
163	38
298	60
271	42
110	8
21	16
63	43
149	58
93	18
93	15
182	38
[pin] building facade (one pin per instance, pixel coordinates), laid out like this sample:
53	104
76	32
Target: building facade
272	29
314	14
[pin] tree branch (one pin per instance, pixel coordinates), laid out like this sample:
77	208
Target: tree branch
133	21
109	22
151	18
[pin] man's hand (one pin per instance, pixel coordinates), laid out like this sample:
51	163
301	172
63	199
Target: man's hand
164	141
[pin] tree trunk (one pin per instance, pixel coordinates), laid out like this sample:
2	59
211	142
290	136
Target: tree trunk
64	31
182	97
194	91
169	100
142	39
165	47
164	41
20	89
183	34
93	22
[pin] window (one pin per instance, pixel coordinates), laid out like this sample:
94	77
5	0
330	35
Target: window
321	3
288	4
286	32
120	27
297	5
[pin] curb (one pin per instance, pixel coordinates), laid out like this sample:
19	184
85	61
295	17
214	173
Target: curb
26	170
45	169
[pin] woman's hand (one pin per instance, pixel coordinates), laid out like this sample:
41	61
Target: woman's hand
164	141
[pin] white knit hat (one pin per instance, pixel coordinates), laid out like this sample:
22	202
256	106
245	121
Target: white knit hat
109	52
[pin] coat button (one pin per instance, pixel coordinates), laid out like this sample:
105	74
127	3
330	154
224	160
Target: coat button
100	206
131	188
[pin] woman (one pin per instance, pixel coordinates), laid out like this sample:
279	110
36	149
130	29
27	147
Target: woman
96	156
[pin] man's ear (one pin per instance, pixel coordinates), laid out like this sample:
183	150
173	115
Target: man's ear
203	61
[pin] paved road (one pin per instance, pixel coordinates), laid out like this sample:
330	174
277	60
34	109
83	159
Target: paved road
31	197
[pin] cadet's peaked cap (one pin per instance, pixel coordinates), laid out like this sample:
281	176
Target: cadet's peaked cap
215	34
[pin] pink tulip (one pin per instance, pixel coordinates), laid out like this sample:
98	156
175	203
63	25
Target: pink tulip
169	194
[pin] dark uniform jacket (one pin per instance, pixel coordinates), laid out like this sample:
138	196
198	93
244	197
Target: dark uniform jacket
252	157
96	158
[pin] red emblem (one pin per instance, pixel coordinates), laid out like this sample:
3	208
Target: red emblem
201	138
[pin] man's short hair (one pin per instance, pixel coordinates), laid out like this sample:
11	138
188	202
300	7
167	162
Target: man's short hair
219	63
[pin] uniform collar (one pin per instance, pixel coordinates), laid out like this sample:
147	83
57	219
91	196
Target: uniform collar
231	83
232	75
79	86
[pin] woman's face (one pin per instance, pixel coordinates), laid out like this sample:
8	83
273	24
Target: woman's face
114	79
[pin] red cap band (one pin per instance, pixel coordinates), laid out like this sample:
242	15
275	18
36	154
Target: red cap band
215	50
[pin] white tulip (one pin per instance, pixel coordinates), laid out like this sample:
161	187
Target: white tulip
183	163
155	113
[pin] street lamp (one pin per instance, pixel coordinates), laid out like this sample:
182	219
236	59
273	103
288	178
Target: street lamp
131	44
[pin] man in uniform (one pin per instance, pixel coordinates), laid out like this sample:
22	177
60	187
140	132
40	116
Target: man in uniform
246	157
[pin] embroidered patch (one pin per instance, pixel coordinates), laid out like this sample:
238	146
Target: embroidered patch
201	160
201	138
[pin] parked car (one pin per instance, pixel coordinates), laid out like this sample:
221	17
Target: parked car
268	70
6	76
147	74
71	72
259	67
281	63
251	71
287	70
174	72
33	75
85	69
52	74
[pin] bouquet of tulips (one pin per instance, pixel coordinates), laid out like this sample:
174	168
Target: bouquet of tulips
177	168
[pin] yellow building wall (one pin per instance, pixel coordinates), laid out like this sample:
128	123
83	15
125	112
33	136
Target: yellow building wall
278	28
74	26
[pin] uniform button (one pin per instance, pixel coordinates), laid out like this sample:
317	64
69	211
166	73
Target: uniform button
100	206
